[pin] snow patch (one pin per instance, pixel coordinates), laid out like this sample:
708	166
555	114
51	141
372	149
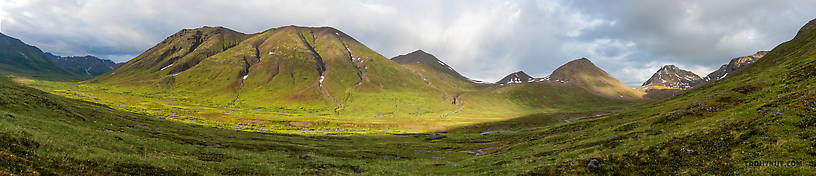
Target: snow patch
440	62
165	67
245	76
321	80
270	53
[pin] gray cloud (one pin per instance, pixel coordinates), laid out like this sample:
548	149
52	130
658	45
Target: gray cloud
483	39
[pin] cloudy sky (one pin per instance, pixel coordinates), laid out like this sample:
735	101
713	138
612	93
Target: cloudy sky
482	39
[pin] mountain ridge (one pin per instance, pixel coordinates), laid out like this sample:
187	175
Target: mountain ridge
17	57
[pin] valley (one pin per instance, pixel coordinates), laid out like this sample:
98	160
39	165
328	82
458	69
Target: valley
296	100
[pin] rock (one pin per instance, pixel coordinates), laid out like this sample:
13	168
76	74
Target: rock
593	164
685	151
105	129
305	157
10	115
357	169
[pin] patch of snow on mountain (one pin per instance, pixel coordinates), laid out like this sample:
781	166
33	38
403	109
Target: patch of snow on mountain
165	67
440	62
245	76
723	76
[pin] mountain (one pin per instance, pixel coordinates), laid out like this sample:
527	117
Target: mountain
319	70
736	64
673	78
22	59
515	78
85	66
433	70
583	73
420	57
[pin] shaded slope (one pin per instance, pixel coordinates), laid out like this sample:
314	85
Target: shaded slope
734	126
19	58
85	66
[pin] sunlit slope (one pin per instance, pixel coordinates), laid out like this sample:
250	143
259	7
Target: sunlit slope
583	73
312	70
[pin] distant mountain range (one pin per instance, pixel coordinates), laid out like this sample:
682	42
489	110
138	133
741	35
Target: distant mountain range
188	48
85	67
671	80
22	59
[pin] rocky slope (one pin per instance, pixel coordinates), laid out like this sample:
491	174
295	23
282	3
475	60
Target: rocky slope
672	77
736	64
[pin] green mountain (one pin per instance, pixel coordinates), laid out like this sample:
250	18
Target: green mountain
316	70
85	67
438	75
583	73
22	59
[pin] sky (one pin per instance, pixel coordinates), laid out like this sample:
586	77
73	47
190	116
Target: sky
482	39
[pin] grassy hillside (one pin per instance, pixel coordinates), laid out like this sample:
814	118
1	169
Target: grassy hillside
22	59
583	73
314	70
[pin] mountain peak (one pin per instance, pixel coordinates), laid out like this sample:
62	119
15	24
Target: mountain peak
419	57
583	73
734	65
574	68
669	67
671	76
515	78
810	24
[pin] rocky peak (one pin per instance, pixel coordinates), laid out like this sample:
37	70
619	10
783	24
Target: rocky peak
515	78
671	76
734	65
806	27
